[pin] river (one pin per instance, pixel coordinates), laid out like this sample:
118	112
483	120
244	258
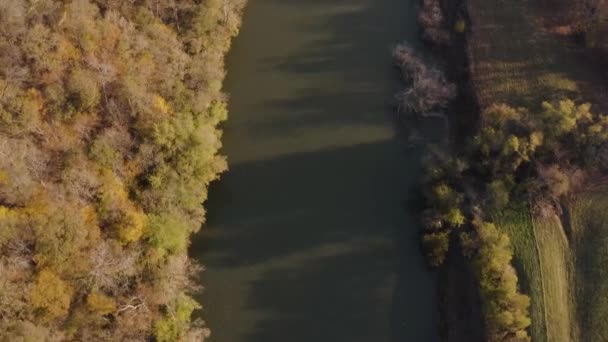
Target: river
309	236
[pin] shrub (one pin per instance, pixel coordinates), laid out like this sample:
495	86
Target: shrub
444	197
428	88
498	194
436	246
100	303
432	22
454	217
557	182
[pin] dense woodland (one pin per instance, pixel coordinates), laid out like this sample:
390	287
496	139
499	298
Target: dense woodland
108	141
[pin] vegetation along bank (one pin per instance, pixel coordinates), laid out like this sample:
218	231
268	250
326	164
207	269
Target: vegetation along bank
514	200
108	141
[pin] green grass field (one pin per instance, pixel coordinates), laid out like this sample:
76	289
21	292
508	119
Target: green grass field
518	224
556	266
544	265
589	220
514	60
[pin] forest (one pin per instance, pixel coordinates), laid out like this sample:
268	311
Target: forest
108	141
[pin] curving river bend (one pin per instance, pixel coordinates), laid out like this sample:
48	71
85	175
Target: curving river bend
309	237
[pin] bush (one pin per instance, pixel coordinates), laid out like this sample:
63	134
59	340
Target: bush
100	304
428	88
455	217
436	246
499	194
557	182
432	22
444	197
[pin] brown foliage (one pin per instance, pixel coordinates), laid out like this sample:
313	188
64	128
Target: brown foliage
428	88
108	115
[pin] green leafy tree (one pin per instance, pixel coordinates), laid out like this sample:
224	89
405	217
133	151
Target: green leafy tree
505	309
168	232
564	117
175	323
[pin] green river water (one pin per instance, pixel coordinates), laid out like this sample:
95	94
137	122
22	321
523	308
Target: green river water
309	235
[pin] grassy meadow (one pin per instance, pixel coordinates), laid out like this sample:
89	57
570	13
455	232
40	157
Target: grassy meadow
589	220
517	222
514	60
557	279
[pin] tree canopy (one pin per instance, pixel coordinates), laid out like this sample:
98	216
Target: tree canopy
108	142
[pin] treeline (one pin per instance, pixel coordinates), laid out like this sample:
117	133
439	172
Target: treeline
108	141
517	156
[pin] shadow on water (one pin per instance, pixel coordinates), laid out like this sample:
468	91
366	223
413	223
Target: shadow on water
308	237
328	256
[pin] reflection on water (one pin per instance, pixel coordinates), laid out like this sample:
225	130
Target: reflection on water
308	237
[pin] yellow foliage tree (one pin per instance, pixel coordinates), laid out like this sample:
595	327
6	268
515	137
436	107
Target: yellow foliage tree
51	295
100	303
118	212
130	226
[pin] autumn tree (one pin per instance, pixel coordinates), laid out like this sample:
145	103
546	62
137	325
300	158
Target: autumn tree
108	142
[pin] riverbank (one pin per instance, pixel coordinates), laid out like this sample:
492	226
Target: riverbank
515	62
109	139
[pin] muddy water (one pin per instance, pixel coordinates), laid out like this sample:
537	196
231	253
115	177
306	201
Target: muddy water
310	235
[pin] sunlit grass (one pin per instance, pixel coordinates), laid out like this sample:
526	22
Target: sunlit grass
514	61
556	267
517	223
556	81
589	219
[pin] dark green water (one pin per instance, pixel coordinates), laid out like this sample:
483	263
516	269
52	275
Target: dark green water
309	237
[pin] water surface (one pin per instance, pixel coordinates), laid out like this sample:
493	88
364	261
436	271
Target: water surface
309	237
